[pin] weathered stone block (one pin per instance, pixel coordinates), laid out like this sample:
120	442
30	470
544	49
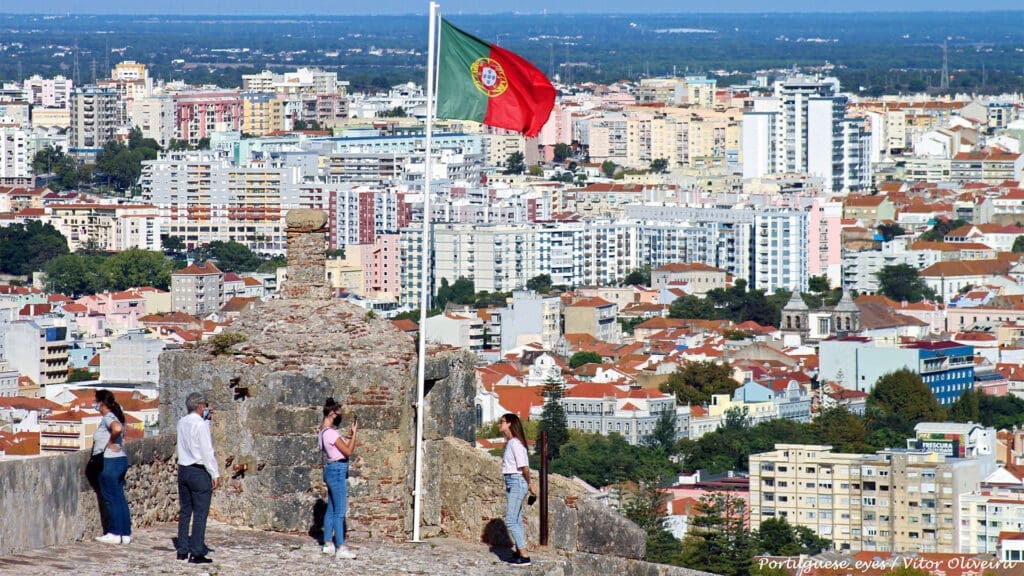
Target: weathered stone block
295	389
285	479
287	450
275	420
604	531
305	219
562	523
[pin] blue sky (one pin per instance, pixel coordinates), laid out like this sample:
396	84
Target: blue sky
346	7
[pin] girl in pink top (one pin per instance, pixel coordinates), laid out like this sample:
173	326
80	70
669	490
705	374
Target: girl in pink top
337	451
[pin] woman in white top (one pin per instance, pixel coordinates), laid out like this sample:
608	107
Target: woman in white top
515	467
110	436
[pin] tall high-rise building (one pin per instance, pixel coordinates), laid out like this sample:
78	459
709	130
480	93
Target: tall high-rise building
96	116
803	128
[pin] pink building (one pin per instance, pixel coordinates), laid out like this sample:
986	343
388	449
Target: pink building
199	114
122	310
382	265
824	243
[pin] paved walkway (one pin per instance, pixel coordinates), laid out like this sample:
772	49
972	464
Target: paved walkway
243	552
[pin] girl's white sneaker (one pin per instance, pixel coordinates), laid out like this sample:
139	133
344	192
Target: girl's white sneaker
344	553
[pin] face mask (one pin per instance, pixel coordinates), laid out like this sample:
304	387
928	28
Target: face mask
206	414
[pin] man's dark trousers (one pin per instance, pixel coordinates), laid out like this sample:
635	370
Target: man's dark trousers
195	488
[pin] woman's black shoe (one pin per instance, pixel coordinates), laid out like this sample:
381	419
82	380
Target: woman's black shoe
199	560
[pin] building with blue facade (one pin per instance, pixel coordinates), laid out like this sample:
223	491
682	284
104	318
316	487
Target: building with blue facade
856	363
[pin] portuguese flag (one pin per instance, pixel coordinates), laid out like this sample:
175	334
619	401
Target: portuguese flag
486	83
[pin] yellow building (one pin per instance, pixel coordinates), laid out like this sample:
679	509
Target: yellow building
896	500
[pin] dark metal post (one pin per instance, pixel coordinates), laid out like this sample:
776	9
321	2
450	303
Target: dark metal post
544	488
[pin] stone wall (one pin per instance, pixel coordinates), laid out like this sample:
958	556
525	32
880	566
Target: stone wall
267	394
47	501
468	495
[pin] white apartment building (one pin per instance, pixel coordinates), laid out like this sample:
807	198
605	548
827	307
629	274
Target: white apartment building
202	196
530	317
860	269
132	358
632	413
896	500
97	114
16	152
197	289
803	128
496	257
38	348
49	92
460	330
780	249
107	227
154	116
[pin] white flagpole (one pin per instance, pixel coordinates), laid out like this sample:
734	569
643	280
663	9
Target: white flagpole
424	274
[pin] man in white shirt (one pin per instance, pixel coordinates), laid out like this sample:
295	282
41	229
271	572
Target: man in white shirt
198	477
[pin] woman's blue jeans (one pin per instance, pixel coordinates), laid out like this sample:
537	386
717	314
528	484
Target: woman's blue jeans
515	493
112	489
336	478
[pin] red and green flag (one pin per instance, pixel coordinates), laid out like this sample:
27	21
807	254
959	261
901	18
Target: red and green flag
486	83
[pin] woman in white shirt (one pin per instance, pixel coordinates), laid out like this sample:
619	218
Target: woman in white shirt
515	467
110	436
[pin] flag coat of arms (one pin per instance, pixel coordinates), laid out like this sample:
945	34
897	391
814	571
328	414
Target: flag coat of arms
486	83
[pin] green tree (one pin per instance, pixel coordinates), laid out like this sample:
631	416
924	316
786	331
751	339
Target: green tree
608	168
136	267
562	152
603	460
540	283
697	381
902	393
1018	244
52	161
1000	411
844	431
646	508
658	165
233	256
902	283
74	275
515	163
693	308
941	228
26	248
173	244
717	540
818	284
664	434
584	357
967	408
890	231
270	265
81	375
638	277
461	292
397	112
552	418
776	537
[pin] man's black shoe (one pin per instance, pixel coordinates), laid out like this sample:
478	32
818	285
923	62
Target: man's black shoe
182	555
199	560
518	560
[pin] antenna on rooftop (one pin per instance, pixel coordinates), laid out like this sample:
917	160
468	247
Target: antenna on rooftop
944	83
75	73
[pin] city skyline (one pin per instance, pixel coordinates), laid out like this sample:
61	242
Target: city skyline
395	7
